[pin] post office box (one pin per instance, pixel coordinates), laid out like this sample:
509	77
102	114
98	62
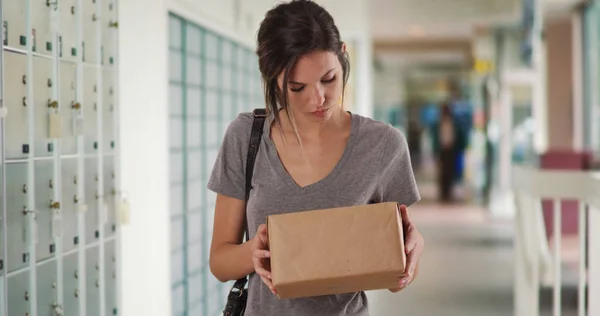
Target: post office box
194	71
69	204
177	271
194	134
211	45
92	266
45	184
213	75
91	199
110	192
15	89
71	291
211	109
240	81
70	107
178	301
196	289
226	78
19	297
91	20
68	30
227	52
194	167
176	100
194	255
109	32
43	83
14	26
109	102
193	101
110	276
194	222
16	203
46	287
41	27
226	108
90	109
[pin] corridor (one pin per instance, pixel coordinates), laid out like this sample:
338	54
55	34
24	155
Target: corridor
467	267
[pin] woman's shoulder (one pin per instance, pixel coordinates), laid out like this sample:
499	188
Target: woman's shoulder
375	131
238	130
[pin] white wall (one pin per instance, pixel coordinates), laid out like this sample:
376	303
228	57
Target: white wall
144	252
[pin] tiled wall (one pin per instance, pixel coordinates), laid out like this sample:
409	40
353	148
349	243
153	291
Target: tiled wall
212	79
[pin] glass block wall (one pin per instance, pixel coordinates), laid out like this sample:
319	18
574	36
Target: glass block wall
212	79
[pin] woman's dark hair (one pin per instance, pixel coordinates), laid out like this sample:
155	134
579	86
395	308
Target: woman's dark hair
289	31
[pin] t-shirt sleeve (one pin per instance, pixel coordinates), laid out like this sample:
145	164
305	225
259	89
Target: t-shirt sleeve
397	181
227	176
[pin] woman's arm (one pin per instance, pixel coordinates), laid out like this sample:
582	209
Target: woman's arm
230	259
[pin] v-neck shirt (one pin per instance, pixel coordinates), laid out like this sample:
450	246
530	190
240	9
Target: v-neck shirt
374	167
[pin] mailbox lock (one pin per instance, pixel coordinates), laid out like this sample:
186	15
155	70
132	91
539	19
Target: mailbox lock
58	310
53	104
24	80
24	188
49	83
76	105
24	101
75	199
27	296
54	205
51	184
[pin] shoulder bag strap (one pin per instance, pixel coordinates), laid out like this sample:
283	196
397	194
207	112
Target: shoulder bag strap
255	136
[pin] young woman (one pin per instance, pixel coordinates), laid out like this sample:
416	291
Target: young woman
313	155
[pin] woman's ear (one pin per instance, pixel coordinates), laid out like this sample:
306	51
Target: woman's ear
343	47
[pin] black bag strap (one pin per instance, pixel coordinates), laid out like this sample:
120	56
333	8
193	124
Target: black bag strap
255	136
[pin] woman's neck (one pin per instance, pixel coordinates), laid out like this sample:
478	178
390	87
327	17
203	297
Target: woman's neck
308	128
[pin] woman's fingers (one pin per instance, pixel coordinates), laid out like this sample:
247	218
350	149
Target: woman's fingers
261	257
262	254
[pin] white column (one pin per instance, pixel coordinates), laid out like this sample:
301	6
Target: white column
594	261
143	125
577	62
539	61
364	75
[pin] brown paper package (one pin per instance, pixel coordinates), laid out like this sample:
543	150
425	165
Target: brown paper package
335	251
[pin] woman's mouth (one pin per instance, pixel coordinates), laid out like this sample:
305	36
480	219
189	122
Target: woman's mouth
319	113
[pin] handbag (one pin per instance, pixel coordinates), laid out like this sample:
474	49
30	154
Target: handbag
238	295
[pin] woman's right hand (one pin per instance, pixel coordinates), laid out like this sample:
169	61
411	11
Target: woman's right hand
261	257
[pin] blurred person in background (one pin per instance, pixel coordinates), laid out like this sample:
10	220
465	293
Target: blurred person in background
446	143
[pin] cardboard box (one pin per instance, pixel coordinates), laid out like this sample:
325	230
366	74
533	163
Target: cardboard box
335	251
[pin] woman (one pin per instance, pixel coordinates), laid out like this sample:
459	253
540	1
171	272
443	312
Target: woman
312	155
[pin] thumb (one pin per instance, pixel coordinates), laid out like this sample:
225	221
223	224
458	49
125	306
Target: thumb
404	214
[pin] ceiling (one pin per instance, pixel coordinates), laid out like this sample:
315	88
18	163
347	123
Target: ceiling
413	19
411	33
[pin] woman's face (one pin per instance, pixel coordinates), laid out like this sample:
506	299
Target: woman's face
315	85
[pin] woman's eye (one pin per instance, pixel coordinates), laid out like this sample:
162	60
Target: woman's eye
297	89
328	80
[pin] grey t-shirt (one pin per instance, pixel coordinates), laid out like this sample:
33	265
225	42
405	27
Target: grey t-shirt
375	167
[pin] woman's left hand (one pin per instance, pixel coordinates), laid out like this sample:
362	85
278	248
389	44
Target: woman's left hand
413	246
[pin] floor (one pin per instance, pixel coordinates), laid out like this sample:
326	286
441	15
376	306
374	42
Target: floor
466	269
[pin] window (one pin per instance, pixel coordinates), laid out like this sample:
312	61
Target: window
212	79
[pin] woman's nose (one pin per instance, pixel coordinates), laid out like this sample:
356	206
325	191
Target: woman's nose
317	97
